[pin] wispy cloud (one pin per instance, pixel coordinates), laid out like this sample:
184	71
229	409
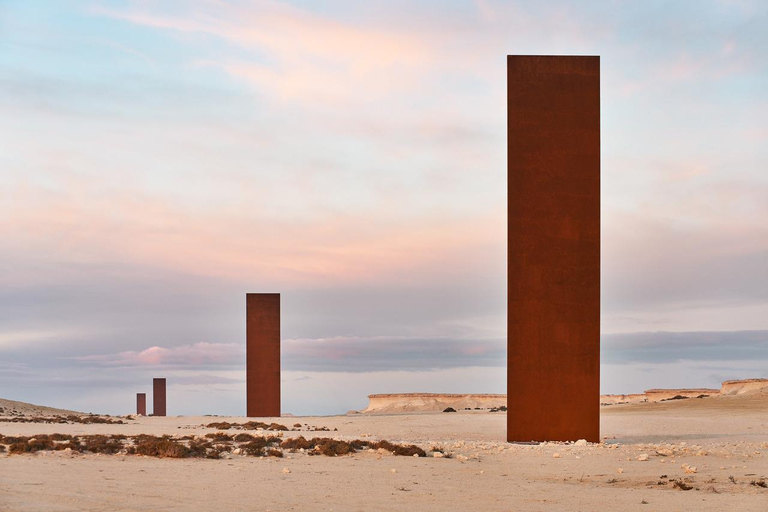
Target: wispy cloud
196	355
672	347
338	354
298	55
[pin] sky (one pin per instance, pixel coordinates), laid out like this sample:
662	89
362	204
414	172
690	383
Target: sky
159	160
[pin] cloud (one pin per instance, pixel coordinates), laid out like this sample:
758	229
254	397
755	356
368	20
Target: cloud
390	353
673	347
338	354
195	355
27	337
298	55
376	354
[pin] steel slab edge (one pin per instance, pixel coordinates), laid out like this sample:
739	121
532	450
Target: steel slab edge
141	404
553	308
158	397
262	333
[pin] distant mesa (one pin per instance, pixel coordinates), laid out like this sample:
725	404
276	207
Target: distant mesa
432	402
659	395
740	387
393	403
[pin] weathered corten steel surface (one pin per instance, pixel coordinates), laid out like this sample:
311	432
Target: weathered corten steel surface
158	397
262	332
141	404
553	311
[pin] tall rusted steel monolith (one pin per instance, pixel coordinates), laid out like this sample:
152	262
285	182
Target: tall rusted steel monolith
141	404
158	397
262	332
553	311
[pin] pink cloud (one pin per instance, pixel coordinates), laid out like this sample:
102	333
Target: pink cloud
312	57
198	354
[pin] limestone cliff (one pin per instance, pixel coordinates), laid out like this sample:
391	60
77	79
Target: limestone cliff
435	402
431	402
740	387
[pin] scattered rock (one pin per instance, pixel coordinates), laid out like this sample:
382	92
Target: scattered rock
580	442
286	471
679	484
620	470
555	455
462	458
393	470
688	468
642	457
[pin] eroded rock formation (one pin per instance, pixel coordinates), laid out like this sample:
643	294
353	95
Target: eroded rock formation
436	402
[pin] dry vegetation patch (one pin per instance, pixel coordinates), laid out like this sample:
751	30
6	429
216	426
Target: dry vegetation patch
249	425
71	418
212	446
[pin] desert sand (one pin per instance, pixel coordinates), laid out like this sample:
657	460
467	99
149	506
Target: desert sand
717	446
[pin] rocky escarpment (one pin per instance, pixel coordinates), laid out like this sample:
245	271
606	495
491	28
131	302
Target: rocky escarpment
434	402
657	395
740	387
634	398
431	402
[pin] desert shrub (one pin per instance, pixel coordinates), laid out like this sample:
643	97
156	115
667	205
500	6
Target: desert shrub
296	443
160	447
222	425
216	451
199	448
59	437
243	438
254	425
274	452
18	448
91	418
257	445
277	426
254	448
359	444
409	450
2	448
386	445
42	442
31	444
140	438
449	409
101	444
73	444
219	436
332	447
297	425
12	439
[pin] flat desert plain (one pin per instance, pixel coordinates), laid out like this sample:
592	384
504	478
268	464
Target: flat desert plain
695	454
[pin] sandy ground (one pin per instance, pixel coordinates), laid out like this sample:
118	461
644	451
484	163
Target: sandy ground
721	437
